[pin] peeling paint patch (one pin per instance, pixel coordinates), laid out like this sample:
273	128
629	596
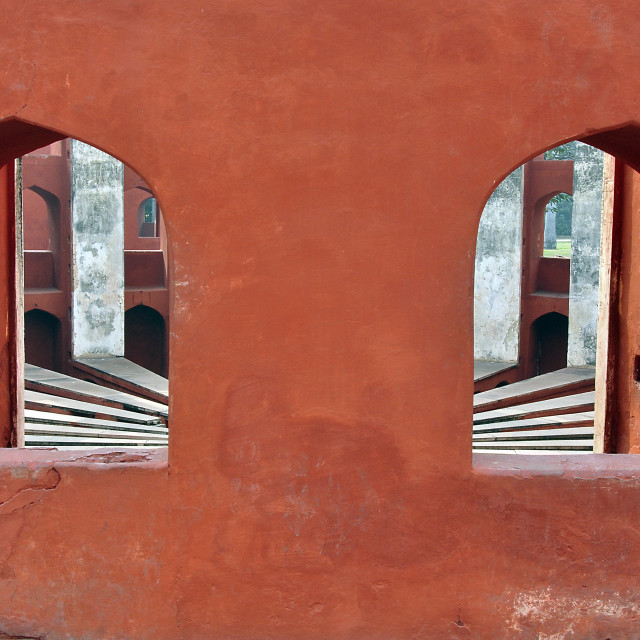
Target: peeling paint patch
561	614
114	457
31	494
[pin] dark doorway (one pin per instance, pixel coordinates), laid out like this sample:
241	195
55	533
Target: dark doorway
42	340
550	336
144	338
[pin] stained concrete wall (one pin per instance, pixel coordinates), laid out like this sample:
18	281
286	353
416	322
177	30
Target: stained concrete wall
97	218
585	255
497	276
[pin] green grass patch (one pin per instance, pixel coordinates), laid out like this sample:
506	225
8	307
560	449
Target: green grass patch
563	249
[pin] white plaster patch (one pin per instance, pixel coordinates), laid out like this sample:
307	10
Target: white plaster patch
558	612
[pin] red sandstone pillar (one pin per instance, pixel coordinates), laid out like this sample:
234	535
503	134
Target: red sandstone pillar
10	322
621	424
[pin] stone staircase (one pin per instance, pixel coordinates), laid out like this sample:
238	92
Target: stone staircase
549	414
67	413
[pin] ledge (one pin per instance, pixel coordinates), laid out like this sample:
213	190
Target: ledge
102	458
591	466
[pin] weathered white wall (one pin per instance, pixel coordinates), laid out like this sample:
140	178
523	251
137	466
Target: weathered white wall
550	236
498	273
585	255
97	218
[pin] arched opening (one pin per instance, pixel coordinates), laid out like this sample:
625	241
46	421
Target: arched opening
602	314
42	340
542	308
553	265
148	218
33	193
550	335
557	226
515	284
144	338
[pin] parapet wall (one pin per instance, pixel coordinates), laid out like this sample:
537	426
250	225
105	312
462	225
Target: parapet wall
321	169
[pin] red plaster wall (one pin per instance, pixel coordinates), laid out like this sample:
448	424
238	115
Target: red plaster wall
36	223
39	269
144	269
8	435
554	275
307	158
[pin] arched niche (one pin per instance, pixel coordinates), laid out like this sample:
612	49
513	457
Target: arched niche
145	338
35	221
135	200
549	341
42	238
148	218
42	340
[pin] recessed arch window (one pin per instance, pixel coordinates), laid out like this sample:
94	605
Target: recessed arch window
145	338
557	226
148	218
42	340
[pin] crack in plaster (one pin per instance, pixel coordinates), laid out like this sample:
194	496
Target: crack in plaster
24	106
29	495
30	84
32	81
21	500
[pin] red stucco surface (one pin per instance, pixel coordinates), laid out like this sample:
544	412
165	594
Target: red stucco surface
321	169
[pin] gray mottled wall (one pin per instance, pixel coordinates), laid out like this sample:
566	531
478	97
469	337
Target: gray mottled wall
498	268
97	217
550	237
585	255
